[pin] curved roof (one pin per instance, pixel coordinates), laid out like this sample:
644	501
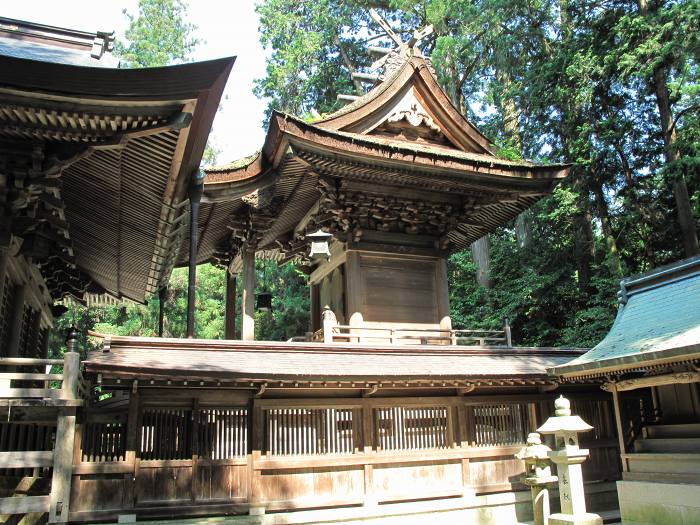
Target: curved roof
658	322
118	148
402	137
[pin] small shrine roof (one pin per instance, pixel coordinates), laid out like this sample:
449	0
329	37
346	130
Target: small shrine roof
154	357
658	322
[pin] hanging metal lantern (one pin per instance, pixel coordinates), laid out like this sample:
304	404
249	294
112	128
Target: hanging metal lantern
264	302
319	244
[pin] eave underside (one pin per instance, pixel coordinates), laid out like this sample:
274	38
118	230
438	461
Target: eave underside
467	203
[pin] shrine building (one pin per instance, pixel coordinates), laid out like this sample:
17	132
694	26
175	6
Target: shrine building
381	409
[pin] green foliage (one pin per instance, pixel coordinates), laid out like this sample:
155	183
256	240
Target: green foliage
158	36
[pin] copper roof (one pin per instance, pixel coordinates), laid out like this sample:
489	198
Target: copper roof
135	357
658	322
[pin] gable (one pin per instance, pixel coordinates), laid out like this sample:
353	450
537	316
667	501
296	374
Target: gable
410	107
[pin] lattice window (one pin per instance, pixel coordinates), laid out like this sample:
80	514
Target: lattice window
411	428
24	331
104	441
166	433
501	424
223	433
312	431
8	299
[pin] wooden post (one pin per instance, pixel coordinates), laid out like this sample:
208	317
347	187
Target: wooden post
618	423
329	323
248	300
354	291
162	298
196	190
315	293
59	499
443	301
16	314
4	260
230	319
506	331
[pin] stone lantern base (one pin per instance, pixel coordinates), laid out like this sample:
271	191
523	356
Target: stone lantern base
575	519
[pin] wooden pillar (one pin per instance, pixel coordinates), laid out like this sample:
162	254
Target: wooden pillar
248	299
162	298
618	423
4	262
354	293
443	298
195	199
64	449
230	319
315	292
59	499
16	314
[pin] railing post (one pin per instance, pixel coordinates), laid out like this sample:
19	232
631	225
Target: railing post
59	499
71	366
506	331
329	322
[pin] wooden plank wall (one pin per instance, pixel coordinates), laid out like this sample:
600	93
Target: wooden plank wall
309	453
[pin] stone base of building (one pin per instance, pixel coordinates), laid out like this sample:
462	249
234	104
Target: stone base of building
650	503
579	519
505	508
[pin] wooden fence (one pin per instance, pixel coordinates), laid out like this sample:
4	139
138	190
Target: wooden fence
285	454
33	449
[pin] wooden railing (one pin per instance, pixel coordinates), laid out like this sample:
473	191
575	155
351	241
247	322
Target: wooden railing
30	389
332	332
422	336
290	454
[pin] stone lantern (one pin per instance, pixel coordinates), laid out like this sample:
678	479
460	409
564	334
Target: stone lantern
568	458
537	475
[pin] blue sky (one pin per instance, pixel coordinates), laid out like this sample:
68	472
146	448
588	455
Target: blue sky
227	28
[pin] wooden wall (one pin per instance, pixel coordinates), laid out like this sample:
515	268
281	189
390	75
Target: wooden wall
207	452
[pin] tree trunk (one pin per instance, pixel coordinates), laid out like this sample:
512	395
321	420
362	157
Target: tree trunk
680	189
481	256
584	248
610	239
350	65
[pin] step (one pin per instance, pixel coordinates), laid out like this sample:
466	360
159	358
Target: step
661	462
673	431
656	477
610	516
682	445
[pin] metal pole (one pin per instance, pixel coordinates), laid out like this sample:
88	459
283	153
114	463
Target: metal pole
196	190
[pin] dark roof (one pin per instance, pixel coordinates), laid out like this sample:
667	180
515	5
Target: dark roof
126	143
658	322
153	357
31	41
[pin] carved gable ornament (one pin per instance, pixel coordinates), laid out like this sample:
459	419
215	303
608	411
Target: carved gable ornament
408	120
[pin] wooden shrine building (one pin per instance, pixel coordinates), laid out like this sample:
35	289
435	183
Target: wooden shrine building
382	409
650	362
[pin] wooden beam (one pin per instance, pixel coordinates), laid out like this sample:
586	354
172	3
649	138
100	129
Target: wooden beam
28	459
618	425
651	381
248	299
24	505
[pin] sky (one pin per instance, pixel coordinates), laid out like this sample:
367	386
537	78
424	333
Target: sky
227	28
